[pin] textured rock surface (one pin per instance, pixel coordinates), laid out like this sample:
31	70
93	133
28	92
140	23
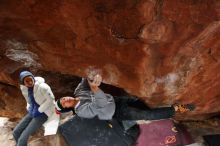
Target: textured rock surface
198	129
12	103
162	51
6	137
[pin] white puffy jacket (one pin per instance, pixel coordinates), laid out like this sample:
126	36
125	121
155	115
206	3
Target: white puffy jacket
45	99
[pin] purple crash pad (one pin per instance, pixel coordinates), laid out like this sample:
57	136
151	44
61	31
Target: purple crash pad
163	133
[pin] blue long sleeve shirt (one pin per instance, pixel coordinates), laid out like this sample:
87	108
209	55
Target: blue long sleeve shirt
33	109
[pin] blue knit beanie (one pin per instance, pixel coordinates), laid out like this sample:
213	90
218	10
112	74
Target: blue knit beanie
24	74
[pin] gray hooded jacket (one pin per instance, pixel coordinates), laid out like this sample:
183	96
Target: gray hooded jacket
93	104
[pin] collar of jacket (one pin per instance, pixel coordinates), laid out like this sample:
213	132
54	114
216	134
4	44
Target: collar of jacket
38	81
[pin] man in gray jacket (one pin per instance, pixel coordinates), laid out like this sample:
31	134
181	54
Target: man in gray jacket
90	101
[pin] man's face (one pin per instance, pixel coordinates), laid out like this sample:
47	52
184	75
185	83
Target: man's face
29	81
67	102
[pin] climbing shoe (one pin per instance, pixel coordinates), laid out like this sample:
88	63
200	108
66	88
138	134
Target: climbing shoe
182	108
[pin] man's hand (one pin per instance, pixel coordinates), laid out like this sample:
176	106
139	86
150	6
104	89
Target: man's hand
95	82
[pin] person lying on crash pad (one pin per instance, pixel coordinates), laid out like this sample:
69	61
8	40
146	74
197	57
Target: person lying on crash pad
90	101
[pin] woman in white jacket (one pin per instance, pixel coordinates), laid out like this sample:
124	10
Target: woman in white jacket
40	106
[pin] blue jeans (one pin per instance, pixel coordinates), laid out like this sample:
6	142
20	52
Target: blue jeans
26	127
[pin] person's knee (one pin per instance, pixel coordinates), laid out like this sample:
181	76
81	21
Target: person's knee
16	134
